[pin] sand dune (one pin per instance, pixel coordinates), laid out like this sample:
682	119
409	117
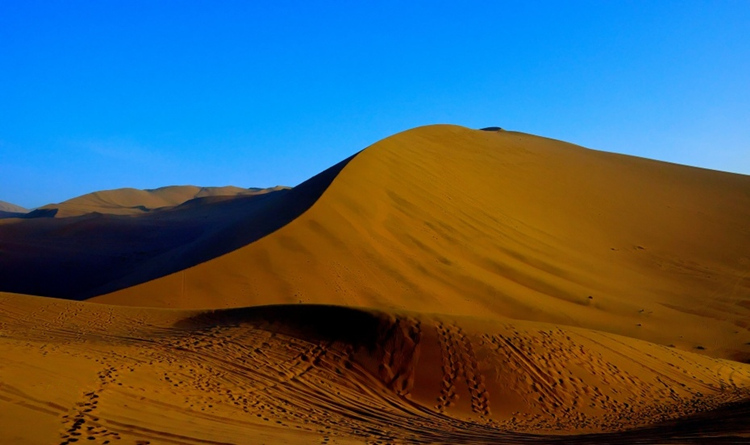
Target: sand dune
129	201
444	285
444	219
79	257
11	208
8	210
312	374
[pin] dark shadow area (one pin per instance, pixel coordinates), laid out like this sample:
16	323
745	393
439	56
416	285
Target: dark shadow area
491	129
724	425
93	254
308	321
6	215
362	328
40	213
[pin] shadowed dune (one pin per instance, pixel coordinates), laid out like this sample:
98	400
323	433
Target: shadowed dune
304	374
82	256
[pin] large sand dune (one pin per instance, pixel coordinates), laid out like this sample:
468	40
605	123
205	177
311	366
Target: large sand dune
444	285
444	219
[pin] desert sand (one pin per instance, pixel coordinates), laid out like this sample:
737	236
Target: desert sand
444	285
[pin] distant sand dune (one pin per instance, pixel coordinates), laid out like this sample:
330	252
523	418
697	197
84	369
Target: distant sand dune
82	256
129	201
8	210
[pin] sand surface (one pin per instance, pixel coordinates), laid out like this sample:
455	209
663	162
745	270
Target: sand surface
444	285
77	372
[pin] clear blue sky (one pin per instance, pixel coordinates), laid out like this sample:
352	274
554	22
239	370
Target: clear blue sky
105	94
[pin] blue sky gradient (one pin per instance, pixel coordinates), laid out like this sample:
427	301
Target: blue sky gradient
101	95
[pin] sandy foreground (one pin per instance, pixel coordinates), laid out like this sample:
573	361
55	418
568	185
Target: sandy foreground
78	372
444	285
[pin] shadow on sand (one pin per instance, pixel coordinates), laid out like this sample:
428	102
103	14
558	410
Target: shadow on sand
729	424
89	255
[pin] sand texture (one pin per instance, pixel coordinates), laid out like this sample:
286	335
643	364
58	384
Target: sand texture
444	285
73	371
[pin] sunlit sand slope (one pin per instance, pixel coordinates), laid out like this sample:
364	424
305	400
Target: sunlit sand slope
75	372
503	225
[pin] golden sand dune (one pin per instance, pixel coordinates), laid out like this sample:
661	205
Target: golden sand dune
444	285
444	219
129	201
76	372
